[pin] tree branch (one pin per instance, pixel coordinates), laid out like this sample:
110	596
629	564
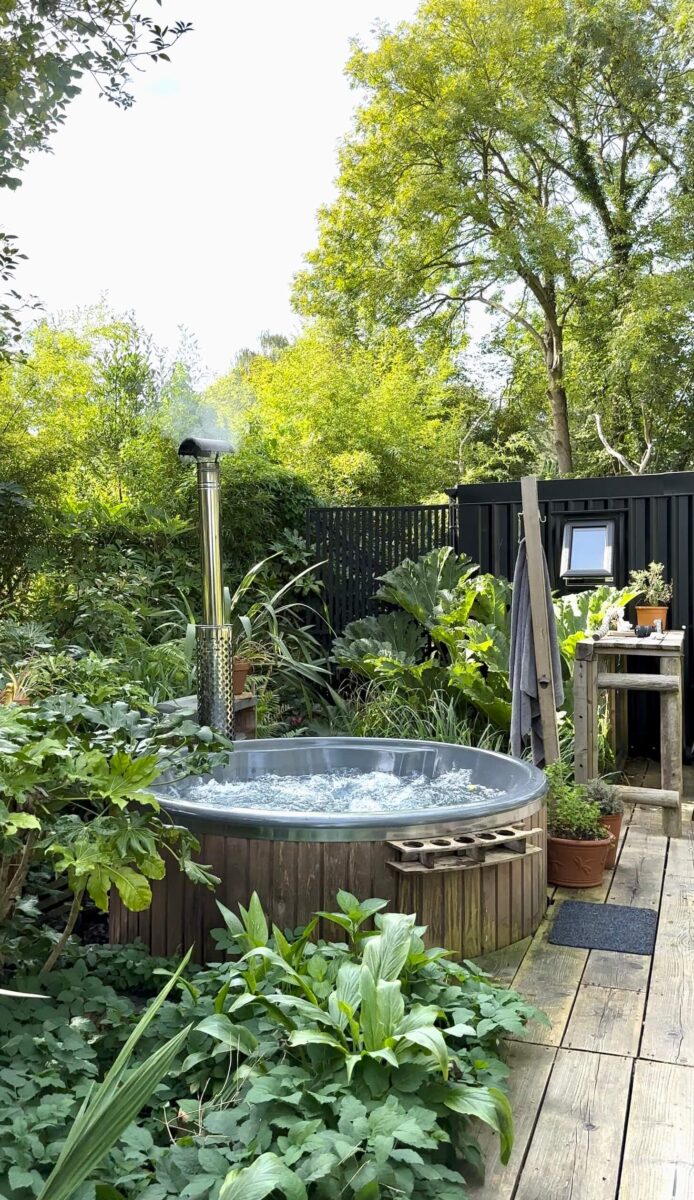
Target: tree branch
621	458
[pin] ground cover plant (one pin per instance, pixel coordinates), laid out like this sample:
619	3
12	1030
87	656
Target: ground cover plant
344	1067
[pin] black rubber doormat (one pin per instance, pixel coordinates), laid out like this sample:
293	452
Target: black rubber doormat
604	927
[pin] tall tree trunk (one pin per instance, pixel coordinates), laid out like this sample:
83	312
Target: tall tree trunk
554	362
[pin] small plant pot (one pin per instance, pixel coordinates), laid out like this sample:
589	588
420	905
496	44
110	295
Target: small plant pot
576	864
613	822
648	614
240	674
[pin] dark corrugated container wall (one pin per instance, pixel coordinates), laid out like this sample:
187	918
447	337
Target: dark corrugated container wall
654	520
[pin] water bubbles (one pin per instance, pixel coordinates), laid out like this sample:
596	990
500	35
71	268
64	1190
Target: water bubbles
342	791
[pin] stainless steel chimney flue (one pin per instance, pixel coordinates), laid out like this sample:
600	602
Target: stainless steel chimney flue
213	640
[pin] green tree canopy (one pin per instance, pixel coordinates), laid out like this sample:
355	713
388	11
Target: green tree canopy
47	48
364	425
519	155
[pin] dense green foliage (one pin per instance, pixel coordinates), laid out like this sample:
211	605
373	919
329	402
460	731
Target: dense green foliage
346	1068
573	809
95	499
74	793
438	664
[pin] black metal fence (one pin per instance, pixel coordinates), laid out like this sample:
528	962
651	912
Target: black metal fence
360	544
654	520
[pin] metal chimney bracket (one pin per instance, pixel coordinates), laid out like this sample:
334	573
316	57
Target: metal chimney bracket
215	677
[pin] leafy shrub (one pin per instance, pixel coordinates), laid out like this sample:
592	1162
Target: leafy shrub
450	637
604	796
570	812
448	641
652	584
73	793
331	1069
364	1062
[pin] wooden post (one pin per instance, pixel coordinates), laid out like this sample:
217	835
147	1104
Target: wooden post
585	713
541	638
671	745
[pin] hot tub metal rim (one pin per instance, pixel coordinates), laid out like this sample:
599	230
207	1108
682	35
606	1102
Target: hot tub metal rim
283	825
201	821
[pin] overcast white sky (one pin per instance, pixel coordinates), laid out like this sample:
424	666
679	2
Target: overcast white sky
196	206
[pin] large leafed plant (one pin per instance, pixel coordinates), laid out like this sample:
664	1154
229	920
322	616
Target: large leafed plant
74	792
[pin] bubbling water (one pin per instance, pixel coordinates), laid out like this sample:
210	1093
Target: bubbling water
342	791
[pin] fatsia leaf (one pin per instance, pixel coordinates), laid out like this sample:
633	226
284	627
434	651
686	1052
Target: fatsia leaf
133	888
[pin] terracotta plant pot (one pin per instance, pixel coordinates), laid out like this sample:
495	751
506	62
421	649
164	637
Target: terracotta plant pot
647	614
613	822
576	864
240	674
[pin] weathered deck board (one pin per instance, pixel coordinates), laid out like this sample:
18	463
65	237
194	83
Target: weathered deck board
668	1033
502	965
608	1012
596	1000
530	1068
575	1149
659	1150
548	977
638	879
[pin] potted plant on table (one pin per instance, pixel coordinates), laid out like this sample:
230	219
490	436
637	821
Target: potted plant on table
611	811
656	591
578	842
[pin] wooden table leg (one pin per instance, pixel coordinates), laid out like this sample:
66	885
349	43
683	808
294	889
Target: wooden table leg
671	745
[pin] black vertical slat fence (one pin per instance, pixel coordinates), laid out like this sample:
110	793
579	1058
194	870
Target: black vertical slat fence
358	545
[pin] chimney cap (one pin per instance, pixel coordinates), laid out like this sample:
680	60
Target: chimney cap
193	447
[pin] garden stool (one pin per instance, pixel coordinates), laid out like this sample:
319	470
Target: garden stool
589	680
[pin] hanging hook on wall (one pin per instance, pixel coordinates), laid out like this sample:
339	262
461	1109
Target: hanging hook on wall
519	519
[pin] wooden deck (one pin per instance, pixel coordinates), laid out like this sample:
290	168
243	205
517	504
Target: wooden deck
604	1100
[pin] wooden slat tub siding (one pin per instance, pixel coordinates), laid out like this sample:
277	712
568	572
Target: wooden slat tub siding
470	912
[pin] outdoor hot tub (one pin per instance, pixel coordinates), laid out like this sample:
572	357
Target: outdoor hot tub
453	833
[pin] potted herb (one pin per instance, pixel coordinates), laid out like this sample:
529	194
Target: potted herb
611	811
656	591
577	841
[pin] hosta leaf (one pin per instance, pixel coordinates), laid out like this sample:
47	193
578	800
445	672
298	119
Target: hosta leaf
266	1175
230	920
256	923
487	1104
232	1037
391	1005
386	954
314	1037
430	1038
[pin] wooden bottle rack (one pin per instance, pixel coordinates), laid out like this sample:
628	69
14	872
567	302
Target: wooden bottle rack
463	851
